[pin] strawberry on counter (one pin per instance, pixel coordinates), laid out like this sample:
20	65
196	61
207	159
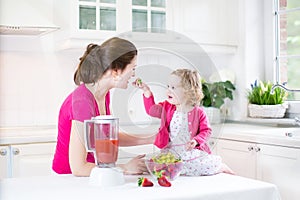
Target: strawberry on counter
144	182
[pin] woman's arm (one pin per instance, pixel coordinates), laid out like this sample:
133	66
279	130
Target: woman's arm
77	152
133	140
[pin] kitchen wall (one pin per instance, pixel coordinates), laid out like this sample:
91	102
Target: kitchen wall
35	78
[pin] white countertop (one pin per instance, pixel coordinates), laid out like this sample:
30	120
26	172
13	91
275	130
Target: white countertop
21	135
258	134
220	186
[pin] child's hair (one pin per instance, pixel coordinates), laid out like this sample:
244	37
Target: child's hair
191	83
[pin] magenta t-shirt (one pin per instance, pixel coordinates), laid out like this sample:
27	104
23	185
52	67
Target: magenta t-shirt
80	105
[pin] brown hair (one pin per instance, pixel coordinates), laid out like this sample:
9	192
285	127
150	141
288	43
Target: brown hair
191	83
115	53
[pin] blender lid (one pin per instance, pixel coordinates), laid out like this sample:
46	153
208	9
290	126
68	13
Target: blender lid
104	119
108	117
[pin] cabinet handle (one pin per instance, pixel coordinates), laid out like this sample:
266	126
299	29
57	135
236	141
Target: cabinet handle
211	143
16	151
250	148
257	149
3	152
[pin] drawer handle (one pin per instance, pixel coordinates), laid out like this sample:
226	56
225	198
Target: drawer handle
250	148
16	151
257	149
3	152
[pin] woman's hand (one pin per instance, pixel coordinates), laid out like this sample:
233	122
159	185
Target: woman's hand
135	166
191	145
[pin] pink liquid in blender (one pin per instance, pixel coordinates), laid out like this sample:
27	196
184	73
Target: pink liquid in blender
106	151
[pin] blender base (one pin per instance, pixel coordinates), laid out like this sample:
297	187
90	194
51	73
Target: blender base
106	177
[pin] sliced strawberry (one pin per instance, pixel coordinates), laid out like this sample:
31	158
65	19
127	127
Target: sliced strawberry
144	182
163	181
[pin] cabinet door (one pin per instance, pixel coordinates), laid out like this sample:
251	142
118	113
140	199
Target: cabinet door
239	156
4	162
206	22
32	159
212	143
280	166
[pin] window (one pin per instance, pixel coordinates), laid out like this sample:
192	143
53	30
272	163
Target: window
148	15
287	45
97	15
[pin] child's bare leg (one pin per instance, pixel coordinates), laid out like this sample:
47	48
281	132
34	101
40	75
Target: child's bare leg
225	169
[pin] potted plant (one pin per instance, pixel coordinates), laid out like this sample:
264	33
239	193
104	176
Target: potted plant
263	103
214	97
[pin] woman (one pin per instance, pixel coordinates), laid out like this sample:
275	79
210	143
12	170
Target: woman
101	68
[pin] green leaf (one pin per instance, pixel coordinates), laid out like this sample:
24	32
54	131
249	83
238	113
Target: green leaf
215	93
261	94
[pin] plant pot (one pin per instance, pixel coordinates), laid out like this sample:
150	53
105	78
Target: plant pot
267	111
213	114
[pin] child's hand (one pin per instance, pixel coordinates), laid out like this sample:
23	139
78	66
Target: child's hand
140	84
137	83
191	145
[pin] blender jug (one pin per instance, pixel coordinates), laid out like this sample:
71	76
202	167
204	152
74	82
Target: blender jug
101	137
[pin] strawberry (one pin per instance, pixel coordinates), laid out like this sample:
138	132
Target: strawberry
144	182
163	181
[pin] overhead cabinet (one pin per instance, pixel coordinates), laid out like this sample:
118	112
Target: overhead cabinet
213	24
98	20
210	23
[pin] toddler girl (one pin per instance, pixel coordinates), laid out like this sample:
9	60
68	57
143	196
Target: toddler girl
184	126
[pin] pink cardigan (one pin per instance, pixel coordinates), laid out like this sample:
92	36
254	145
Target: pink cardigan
198	123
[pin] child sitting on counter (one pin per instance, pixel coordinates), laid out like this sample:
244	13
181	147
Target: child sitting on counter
184	127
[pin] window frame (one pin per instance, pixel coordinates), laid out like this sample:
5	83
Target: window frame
277	53
148	8
98	5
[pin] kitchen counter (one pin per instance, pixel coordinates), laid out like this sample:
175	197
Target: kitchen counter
234	131
22	135
220	186
271	135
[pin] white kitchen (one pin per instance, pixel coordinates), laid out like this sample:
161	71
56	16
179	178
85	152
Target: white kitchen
246	42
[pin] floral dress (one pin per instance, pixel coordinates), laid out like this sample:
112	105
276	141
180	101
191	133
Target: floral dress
197	162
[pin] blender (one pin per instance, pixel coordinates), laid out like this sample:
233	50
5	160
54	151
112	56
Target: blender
101	138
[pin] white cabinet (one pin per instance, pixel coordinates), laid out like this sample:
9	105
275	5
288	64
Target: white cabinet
212	143
4	161
83	22
275	164
239	156
27	160
212	23
280	165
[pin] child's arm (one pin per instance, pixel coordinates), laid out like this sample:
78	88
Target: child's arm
191	145
140	84
151	108
204	131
